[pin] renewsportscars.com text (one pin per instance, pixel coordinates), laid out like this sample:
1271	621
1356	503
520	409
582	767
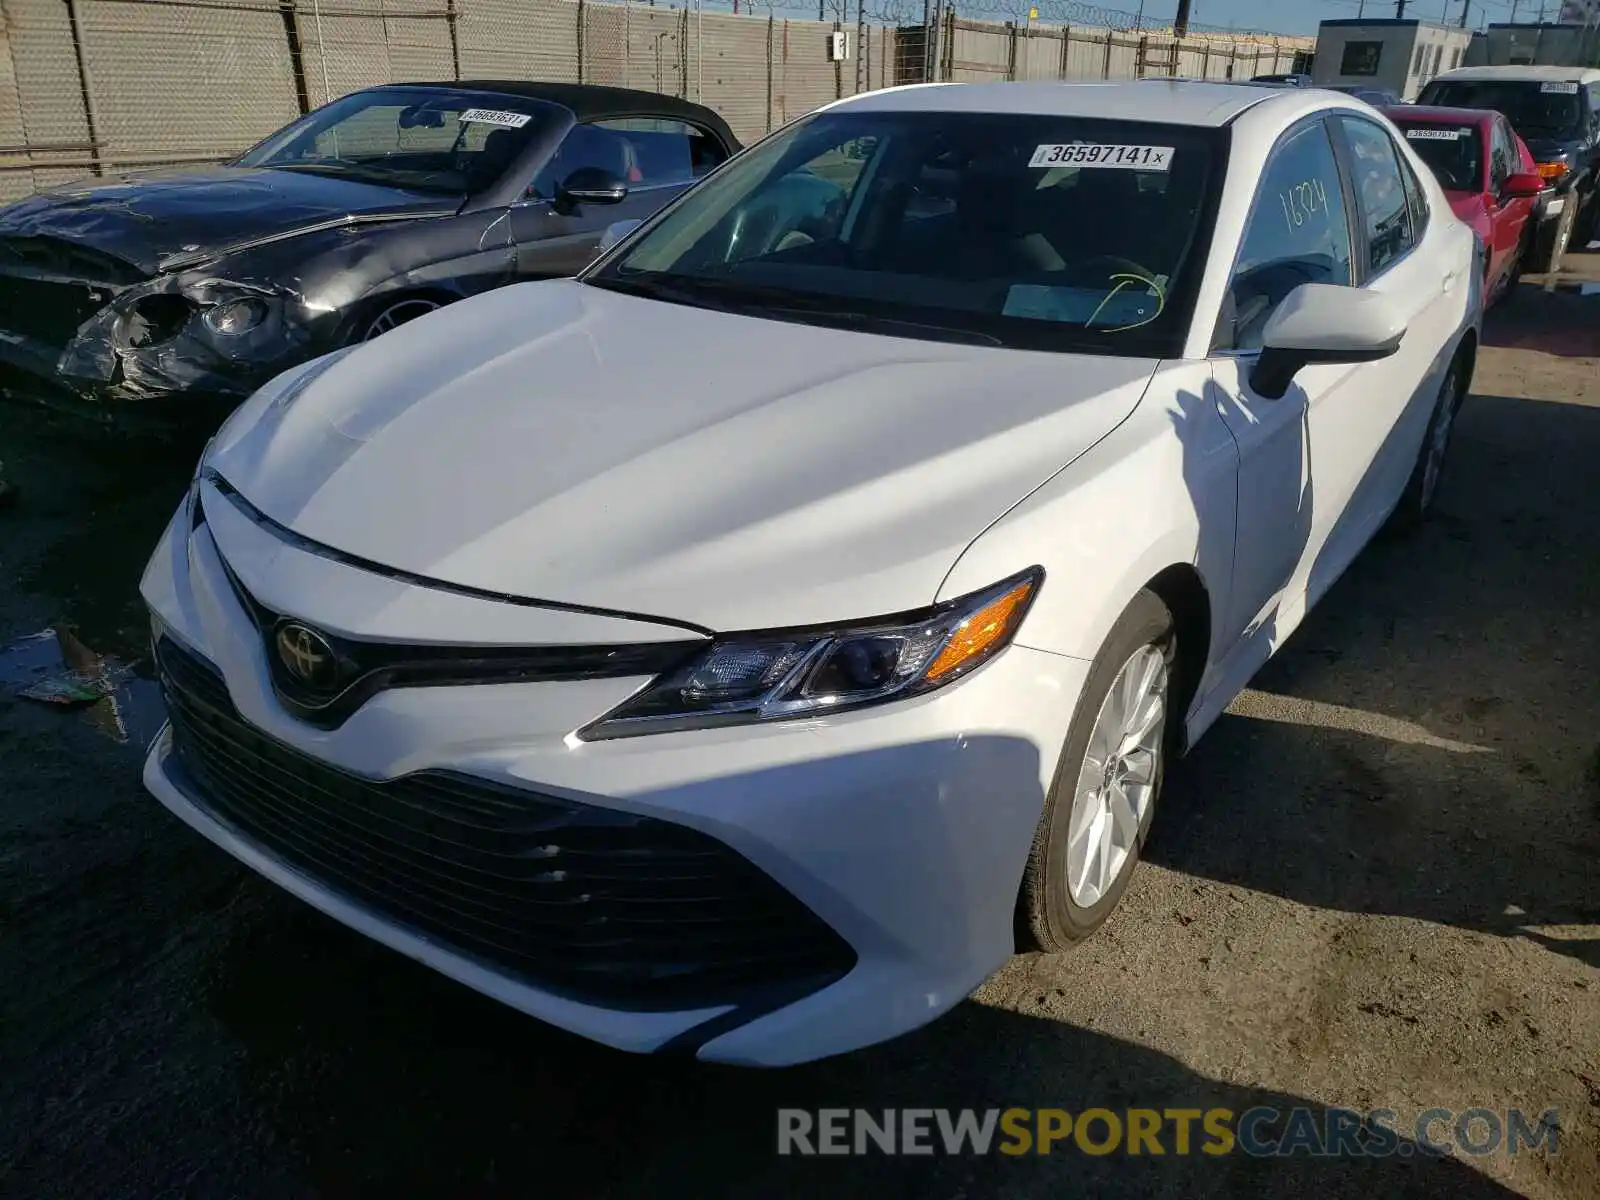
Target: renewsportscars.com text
1260	1132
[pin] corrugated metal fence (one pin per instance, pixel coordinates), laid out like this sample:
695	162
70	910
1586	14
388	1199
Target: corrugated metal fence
98	86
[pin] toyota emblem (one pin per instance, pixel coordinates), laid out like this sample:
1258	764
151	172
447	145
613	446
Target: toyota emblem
307	656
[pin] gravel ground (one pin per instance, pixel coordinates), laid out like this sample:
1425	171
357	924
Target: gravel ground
1374	885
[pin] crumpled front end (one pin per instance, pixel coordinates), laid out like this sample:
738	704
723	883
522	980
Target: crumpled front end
78	324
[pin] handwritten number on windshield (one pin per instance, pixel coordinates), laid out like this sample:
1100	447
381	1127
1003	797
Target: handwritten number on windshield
1303	201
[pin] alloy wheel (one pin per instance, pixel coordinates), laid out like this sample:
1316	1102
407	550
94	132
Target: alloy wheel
398	314
1117	782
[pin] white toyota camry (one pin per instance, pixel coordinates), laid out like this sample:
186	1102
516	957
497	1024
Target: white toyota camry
743	648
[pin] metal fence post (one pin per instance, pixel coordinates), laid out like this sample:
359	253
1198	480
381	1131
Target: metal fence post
1105	70
838	69
297	60
76	26
949	45
581	23
683	54
1066	46
455	43
771	21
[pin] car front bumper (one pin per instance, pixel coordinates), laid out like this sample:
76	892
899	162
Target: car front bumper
904	828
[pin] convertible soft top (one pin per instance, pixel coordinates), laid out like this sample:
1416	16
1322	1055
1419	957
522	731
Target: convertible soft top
595	102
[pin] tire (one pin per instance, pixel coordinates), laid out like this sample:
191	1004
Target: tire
1416	502
1584	224
1052	914
391	312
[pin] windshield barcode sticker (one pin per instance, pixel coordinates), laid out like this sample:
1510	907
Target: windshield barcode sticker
491	116
1563	88
1089	154
1435	135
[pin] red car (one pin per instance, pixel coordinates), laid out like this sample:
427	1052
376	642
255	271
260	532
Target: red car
1488	175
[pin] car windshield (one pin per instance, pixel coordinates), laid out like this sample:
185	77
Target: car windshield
422	139
1535	109
1053	233
1452	152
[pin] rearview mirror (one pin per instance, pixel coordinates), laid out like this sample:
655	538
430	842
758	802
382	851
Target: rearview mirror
615	232
593	185
1520	185
1324	323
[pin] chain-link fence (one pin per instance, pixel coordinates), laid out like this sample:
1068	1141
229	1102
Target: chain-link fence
94	87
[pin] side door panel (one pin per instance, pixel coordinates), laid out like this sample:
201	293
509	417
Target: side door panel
1298	232
1406	255
554	242
1509	216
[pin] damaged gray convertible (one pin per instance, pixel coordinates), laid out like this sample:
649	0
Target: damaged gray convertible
185	290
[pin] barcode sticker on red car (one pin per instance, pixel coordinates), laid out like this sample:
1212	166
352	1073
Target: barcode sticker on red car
1436	135
1560	86
1090	154
493	116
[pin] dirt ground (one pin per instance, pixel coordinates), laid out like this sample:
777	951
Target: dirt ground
1374	885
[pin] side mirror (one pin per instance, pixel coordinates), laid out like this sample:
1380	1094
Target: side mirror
1522	185
592	185
1324	323
615	232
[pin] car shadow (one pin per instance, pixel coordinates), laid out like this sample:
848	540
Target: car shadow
381	1075
1559	322
1427	743
87	510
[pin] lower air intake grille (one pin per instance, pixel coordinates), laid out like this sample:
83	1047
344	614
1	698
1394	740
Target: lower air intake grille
605	907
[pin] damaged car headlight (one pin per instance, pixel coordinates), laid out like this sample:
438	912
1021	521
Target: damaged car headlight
236	317
763	677
153	320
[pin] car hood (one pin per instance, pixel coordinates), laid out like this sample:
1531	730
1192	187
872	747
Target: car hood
559	442
1545	149
169	219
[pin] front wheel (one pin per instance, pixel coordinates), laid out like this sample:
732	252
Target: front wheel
380	319
1103	800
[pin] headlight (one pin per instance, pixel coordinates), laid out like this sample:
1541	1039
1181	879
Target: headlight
236	316
765	677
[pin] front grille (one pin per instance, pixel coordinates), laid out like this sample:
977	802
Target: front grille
605	907
52	287
48	310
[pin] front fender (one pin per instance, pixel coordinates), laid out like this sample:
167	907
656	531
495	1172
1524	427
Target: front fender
1159	490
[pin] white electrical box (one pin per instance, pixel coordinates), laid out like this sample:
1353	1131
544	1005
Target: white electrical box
838	47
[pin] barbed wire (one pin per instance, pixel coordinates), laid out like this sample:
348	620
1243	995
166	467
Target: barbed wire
911	12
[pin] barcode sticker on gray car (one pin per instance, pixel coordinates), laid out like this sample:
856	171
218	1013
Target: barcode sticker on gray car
1435	135
491	116
1562	86
1089	154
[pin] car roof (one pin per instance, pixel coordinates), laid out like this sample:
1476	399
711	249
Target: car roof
587	101
1175	102
1530	74
1437	114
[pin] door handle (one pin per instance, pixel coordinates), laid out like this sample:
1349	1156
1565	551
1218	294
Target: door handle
1448	283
